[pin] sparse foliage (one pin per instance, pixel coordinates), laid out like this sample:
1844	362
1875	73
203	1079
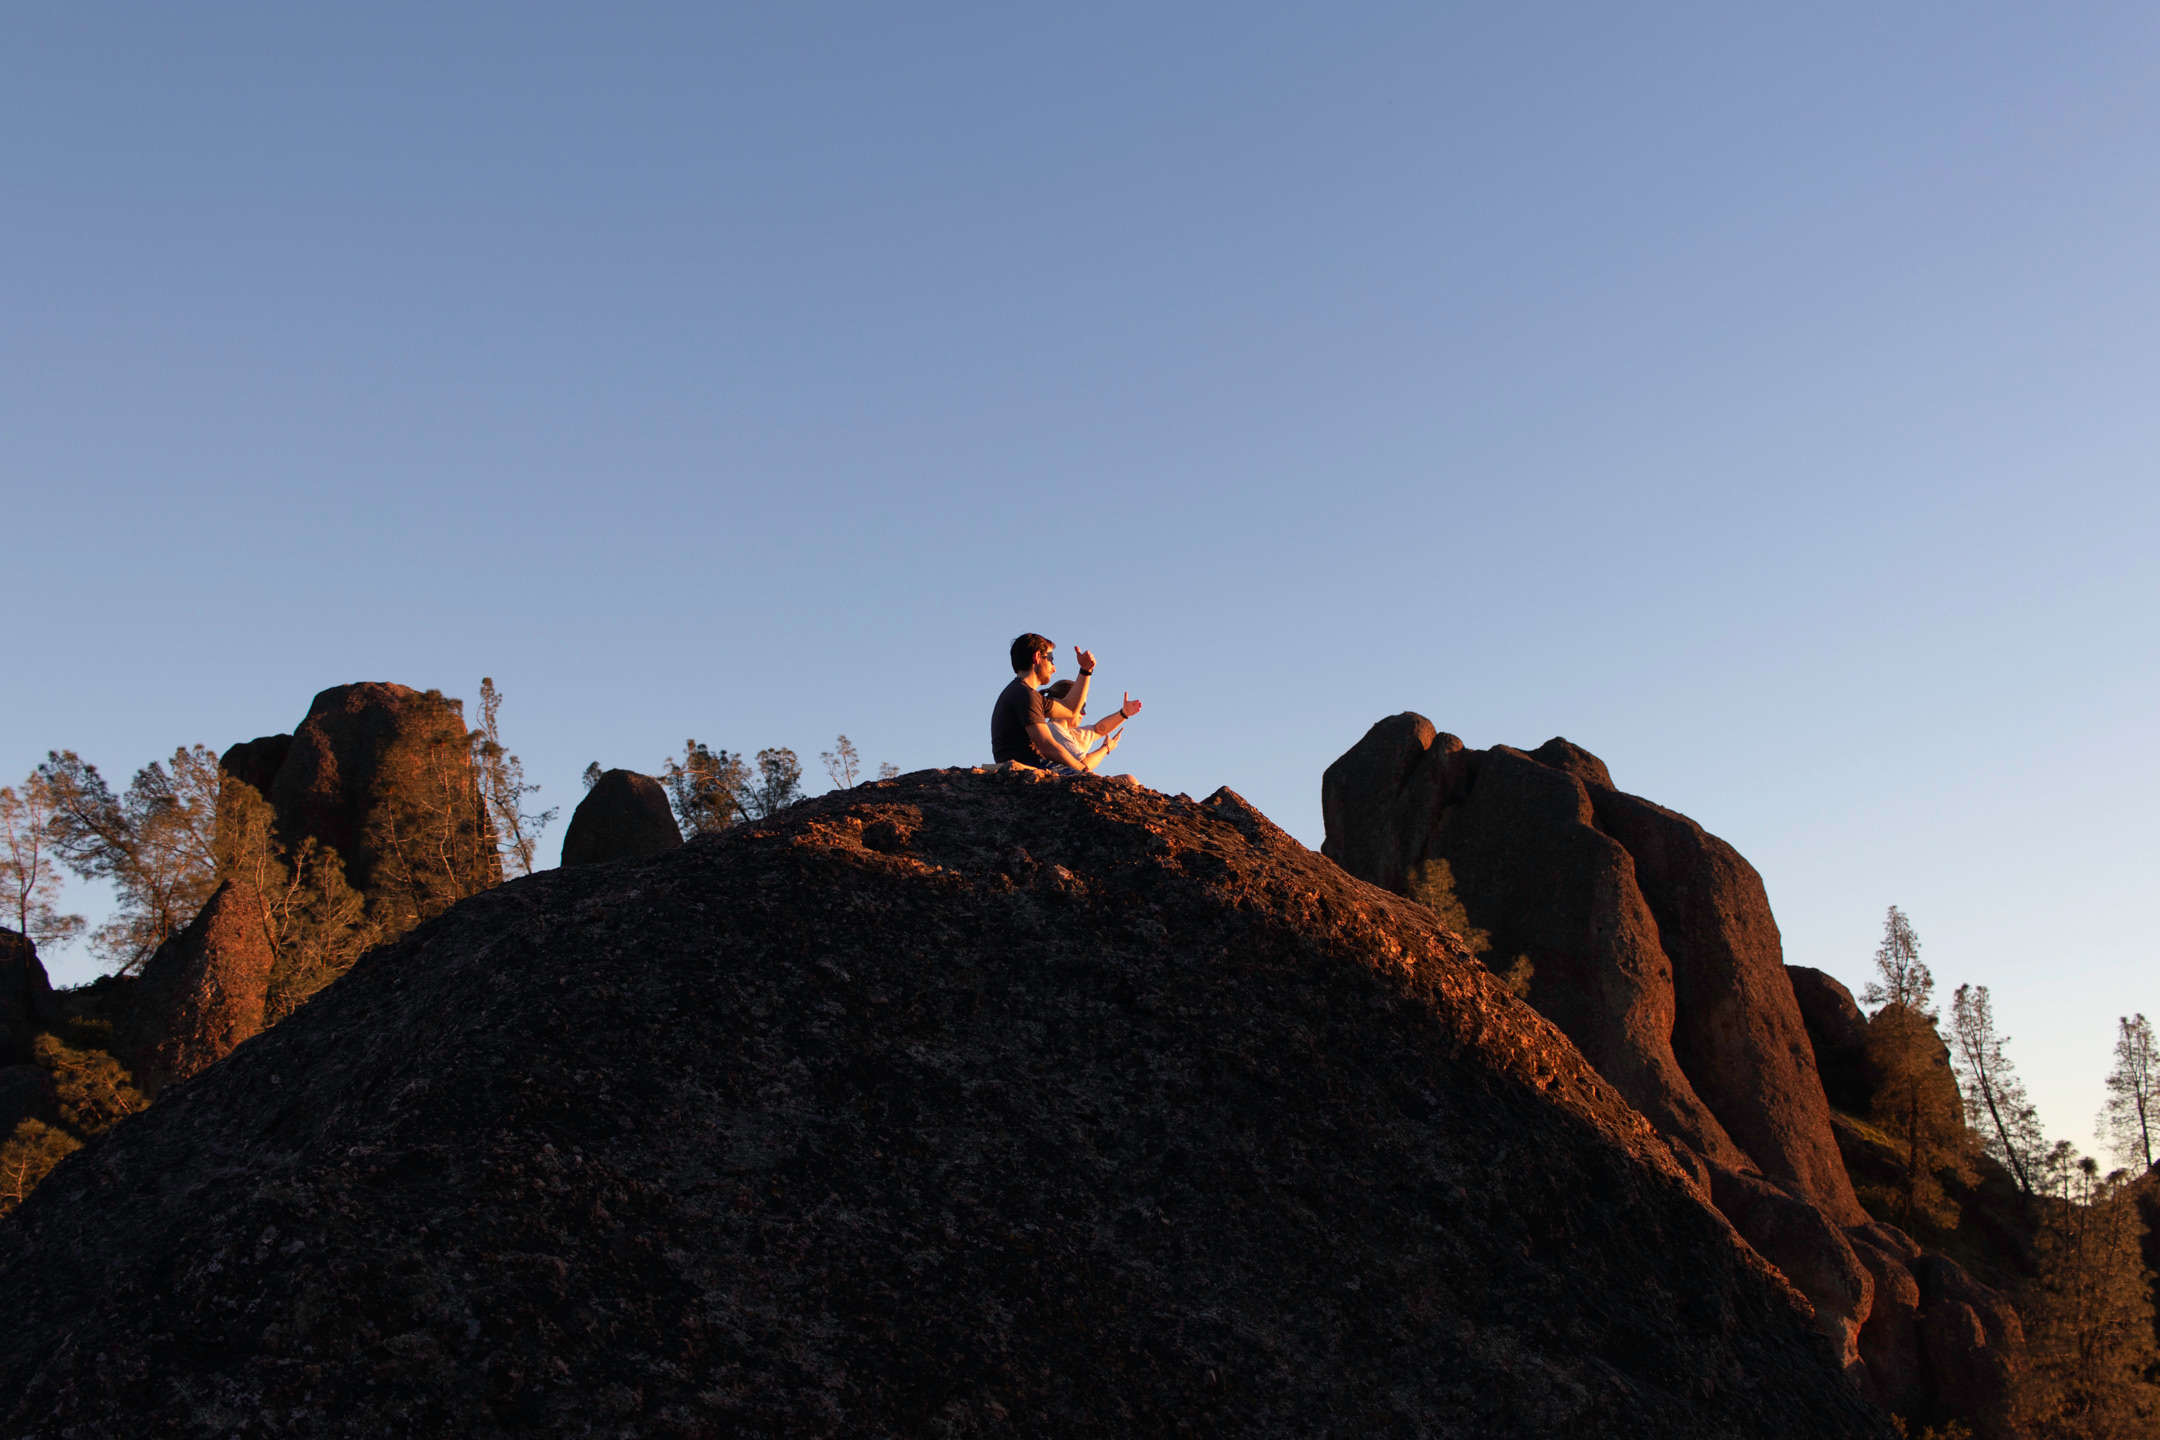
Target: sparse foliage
706	788
29	870
1916	1096
888	771
842	764
778	784
2133	1089
1432	884
155	842
27	1156
428	829
592	774
95	1091
2088	1312
503	787
316	923
1995	1100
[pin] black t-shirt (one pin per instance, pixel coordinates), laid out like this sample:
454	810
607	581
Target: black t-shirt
1018	706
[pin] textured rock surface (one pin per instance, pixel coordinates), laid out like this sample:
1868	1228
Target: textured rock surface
25	995
1837	1031
1652	941
624	816
202	993
332	777
1062	1108
1653	946
257	761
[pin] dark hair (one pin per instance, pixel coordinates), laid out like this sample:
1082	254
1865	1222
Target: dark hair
1057	689
1025	649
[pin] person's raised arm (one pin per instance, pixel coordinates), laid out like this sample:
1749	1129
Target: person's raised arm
1109	723
1076	698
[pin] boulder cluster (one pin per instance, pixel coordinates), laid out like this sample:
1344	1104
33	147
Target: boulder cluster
1650	943
970	1101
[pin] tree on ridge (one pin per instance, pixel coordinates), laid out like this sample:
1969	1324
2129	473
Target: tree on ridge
503	786
155	842
1995	1099
2088	1310
842	764
778	784
29	870
1916	1096
706	788
2133	1087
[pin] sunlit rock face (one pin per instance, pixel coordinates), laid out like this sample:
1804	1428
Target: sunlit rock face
972	1100
202	993
372	759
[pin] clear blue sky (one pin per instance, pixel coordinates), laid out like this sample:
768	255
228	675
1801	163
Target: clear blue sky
1765	401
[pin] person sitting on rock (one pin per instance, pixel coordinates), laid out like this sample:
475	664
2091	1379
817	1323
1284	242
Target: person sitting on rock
1065	719
1020	729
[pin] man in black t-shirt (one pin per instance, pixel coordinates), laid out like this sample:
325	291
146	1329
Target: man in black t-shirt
1019	723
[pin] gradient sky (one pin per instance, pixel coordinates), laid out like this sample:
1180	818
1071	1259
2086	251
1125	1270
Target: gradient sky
1767	402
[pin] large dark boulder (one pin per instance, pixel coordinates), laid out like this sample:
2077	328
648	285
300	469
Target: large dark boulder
26	995
623	817
202	993
1065	1108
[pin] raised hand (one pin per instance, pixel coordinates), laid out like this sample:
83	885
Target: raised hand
1085	657
1130	708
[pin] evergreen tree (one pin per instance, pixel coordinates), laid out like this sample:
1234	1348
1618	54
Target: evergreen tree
707	789
2088	1312
503	787
27	1156
778	784
1995	1100
1916	1096
2133	1088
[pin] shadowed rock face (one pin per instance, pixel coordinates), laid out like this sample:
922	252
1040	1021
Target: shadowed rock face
25	995
1652	941
257	761
624	816
971	1099
202	993
25	1003
1838	1032
1654	948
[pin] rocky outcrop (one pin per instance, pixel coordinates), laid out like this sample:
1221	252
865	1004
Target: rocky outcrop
1065	1108
1837	1032
26	995
1651	943
372	760
256	762
623	817
202	993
